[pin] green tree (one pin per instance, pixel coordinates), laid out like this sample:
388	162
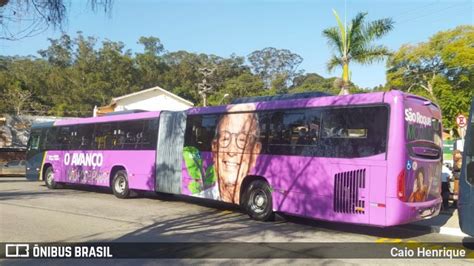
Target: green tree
74	73
59	52
441	69
150	64
25	18
354	43
117	68
17	98
80	75
227	68
22	85
183	74
271	63
244	85
314	82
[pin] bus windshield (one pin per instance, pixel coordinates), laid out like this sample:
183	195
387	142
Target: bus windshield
421	123
423	129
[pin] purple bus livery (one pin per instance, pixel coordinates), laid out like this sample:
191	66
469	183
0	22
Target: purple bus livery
371	158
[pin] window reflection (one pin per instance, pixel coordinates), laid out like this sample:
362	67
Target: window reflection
342	132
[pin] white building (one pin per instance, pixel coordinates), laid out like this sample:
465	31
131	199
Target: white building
153	99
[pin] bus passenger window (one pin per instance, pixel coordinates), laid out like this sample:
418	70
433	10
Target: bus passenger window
293	132
278	138
354	132
81	137
263	123
64	137
199	134
103	137
200	131
118	139
130	135
313	119
51	141
150	134
34	142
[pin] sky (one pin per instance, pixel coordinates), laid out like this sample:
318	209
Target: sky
228	27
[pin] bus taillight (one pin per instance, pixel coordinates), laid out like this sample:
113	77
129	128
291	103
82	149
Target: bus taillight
401	186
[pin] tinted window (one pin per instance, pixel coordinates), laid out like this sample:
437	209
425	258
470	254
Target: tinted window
283	131
354	132
290	132
126	135
64	137
51	139
82	137
104	138
150	134
313	120
34	141
265	136
129	135
418	131
200	130
56	138
339	132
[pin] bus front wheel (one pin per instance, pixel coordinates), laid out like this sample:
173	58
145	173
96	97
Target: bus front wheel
258	201
49	178
120	185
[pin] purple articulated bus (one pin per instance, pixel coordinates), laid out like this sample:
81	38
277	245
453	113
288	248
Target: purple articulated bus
371	158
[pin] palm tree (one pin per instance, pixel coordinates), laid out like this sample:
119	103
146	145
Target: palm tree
354	43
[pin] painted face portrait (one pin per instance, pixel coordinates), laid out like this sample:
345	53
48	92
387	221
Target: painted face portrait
419	181
235	149
419	188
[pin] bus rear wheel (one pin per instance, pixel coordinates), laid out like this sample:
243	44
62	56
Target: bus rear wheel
258	201
120	185
49	178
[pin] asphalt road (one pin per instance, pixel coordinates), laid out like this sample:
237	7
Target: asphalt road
30	212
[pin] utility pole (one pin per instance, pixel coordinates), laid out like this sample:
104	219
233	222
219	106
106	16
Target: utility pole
205	88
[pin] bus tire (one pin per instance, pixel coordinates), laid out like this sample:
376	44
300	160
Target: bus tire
49	178
120	185
258	201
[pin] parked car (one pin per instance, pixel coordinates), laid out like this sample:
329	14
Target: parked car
15	167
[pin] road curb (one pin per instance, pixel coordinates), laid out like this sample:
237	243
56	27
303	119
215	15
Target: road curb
451	231
443	230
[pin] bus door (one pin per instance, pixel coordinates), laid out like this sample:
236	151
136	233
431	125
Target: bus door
35	153
169	152
466	181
